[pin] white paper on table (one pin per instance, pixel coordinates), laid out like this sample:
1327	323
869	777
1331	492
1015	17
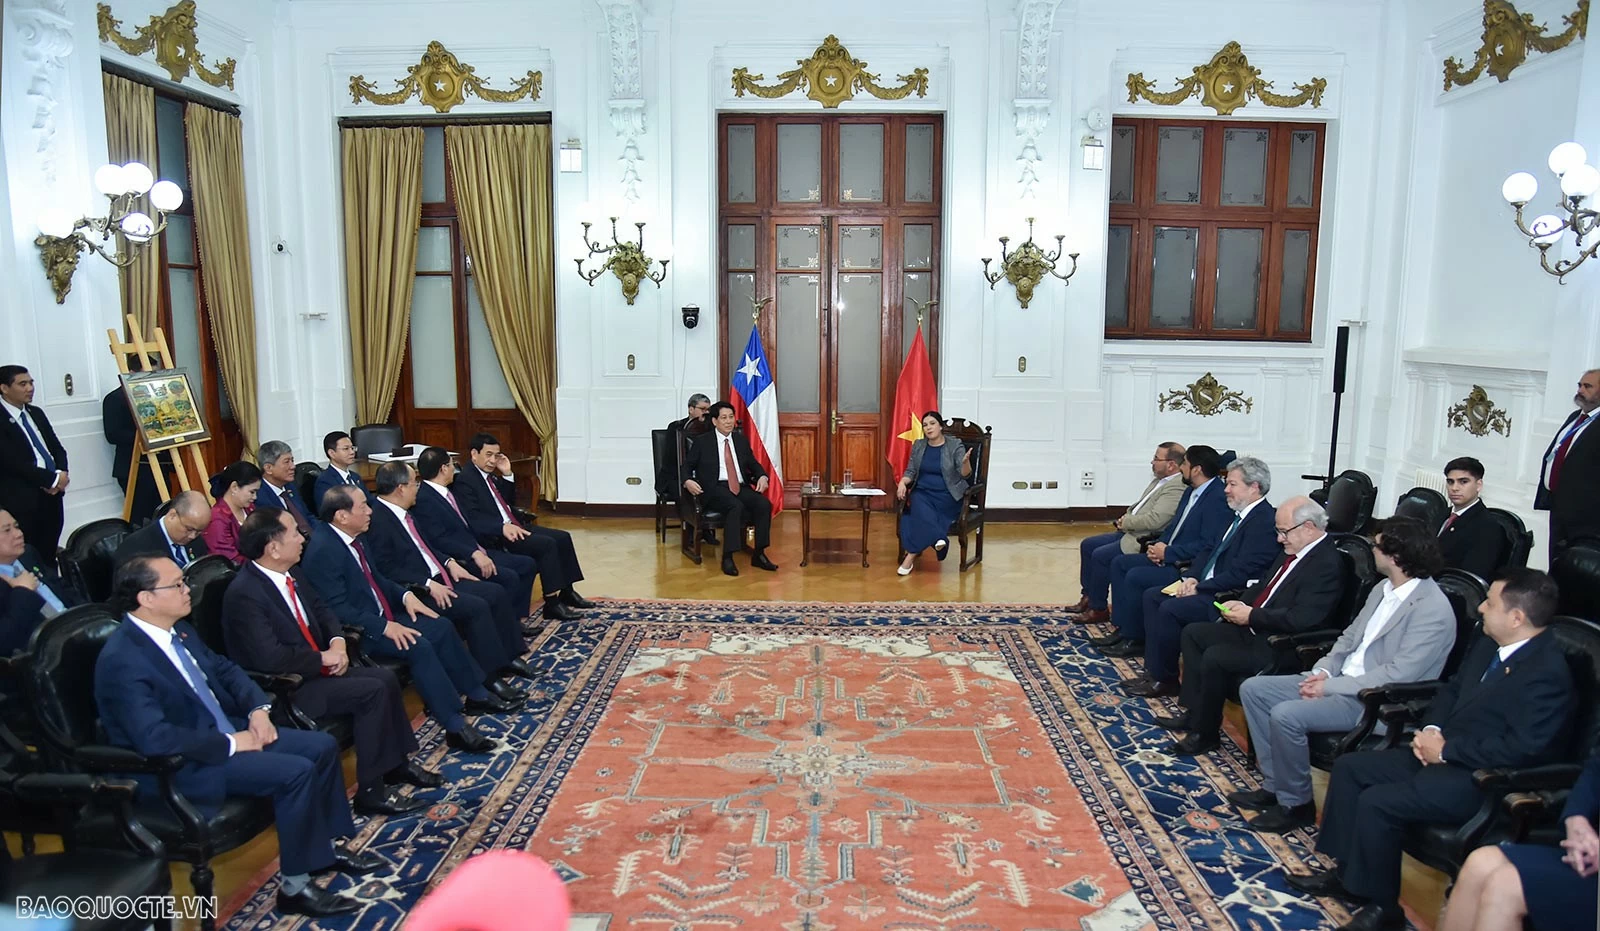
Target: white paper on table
862	491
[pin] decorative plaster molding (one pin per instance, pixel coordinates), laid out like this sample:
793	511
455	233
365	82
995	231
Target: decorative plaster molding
627	121
1035	21
624	36
1033	116
45	34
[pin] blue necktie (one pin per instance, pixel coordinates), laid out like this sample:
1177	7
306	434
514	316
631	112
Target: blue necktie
1212	562
354	479
197	679
1494	667
16	569
180	555
38	444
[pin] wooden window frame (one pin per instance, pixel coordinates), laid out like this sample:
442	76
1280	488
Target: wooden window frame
1276	217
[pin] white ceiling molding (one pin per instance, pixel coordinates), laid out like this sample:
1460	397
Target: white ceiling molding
1031	107
625	35
45	34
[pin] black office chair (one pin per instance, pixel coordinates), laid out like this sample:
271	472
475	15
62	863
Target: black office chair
1296	652
1519	539
305	484
1425	505
86	560
1351	498
1577	575
375	438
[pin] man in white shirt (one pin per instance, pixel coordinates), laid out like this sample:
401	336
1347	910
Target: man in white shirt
1403	634
341	468
1569	479
176	534
723	468
1150	514
33	464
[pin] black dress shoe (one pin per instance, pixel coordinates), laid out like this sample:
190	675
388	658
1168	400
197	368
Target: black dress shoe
385	801
532	628
469	740
728	568
1177	722
1375	918
412	773
1278	819
316	902
1148	689
505	691
571	598
760	561
1252	799
352	863
1123	649
556	611
491	705
520	667
1195	744
1318	883
1106	640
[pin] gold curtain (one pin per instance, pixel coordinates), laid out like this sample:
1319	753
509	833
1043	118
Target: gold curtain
131	137
502	188
222	228
382	210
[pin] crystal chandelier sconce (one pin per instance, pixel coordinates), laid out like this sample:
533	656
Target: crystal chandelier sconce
626	260
63	239
1579	182
1027	266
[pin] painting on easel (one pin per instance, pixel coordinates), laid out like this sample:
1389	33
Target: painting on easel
164	408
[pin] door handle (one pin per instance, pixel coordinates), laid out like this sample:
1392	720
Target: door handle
835	422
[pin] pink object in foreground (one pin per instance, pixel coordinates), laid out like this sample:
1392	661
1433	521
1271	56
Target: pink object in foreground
503	890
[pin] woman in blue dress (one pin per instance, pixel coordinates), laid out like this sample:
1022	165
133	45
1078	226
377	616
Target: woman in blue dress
1554	888
935	479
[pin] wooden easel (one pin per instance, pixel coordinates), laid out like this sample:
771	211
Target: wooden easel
154	356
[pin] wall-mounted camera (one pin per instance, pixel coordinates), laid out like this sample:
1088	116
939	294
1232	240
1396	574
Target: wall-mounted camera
691	316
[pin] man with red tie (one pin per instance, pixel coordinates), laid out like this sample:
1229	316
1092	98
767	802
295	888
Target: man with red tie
1569	482
722	466
445	529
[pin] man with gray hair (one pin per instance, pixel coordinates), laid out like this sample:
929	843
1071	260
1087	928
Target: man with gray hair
175	533
1568	485
668	485
1300	592
277	490
1244	551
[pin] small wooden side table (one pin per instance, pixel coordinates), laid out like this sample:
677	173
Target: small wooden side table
823	501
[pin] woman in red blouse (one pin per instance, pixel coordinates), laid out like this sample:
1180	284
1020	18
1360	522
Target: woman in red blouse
235	490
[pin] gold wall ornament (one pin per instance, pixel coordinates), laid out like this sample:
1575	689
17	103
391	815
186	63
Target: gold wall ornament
172	36
626	260
830	77
1205	397
1477	415
60	257
1225	84
1027	266
1507	37
441	81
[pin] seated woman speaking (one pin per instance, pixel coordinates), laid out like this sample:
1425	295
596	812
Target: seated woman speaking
935	478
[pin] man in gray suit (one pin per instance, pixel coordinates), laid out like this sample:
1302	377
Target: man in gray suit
1403	634
1150	514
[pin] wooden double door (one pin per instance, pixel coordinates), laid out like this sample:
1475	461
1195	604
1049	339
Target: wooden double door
830	236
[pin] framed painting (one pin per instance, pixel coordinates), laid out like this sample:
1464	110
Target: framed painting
164	407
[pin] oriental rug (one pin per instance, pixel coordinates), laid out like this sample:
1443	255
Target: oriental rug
810	767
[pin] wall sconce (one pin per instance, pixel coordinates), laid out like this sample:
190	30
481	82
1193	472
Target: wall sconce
1027	266
1094	153
62	238
1579	180
571	156
626	260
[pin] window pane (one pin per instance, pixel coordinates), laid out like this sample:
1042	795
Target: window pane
799	342
800	162
918	246
860	342
918	285
1172	282
1302	168
433	249
1118	243
1122	164
172	155
186	352
1296	269
433	165
919	163
1178	164
741	293
489	388
179	239
861	162
433	343
741	247
1238	279
798	247
742	164
1244	167
861	247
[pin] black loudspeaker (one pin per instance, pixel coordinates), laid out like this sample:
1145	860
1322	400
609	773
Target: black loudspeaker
1341	356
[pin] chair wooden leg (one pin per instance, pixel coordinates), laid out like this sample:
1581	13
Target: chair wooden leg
661	520
977	548
691	541
204	882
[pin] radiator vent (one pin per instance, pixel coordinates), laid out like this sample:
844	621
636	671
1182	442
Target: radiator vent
1431	478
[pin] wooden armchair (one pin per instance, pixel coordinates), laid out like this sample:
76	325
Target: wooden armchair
969	520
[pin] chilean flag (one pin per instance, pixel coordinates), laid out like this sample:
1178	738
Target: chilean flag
755	403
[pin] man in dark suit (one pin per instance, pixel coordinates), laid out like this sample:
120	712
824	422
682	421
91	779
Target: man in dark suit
486	492
1510	704
1246	549
1470	538
480	610
341	468
1569	481
161	692
275	622
1299	592
444	526
116	421
33	464
277	485
667	478
31	592
1202	517
723	468
175	534
361	596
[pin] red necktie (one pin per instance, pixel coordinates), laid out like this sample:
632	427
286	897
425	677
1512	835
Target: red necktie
416	538
300	618
1561	452
451	500
1448	521
1266	593
505	509
366	570
733	471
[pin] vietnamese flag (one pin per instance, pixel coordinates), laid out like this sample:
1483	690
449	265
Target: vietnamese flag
914	396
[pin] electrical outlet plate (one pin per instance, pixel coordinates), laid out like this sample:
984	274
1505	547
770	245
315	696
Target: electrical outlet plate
1087	480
